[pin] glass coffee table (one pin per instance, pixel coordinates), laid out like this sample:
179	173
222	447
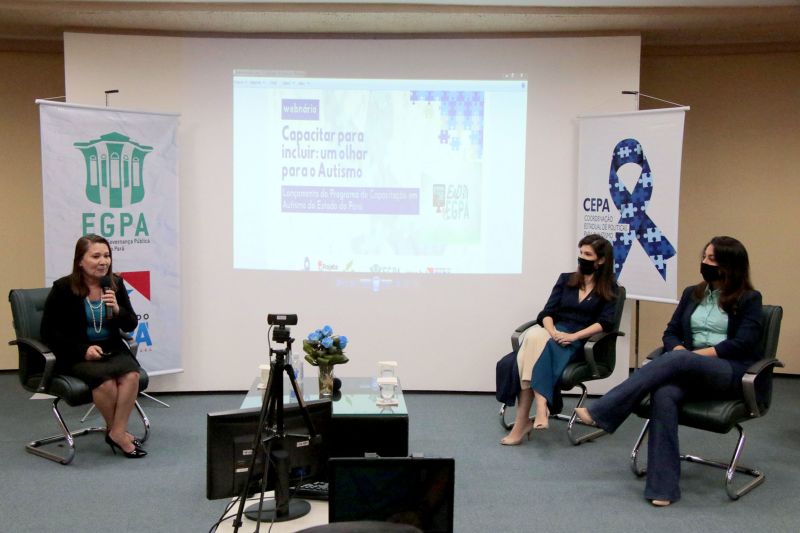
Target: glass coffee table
359	425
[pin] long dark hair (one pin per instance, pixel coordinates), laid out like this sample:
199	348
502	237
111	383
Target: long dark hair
76	281
734	272
604	276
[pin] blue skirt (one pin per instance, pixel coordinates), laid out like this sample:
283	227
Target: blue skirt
548	369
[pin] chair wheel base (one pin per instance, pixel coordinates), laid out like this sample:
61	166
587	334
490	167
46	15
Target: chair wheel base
731	469
63	441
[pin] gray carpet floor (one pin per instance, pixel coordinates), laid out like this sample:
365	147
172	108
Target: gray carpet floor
545	484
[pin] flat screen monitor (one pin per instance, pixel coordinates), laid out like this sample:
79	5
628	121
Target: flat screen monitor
407	490
229	450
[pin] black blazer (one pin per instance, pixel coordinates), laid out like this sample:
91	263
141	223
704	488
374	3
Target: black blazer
64	322
741	347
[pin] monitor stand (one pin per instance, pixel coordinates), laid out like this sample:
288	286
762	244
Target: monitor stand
295	509
282	508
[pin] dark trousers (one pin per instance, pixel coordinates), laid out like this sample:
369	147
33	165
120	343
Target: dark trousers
669	379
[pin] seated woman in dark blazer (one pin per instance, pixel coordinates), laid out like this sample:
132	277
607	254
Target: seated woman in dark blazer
581	304
709	343
83	316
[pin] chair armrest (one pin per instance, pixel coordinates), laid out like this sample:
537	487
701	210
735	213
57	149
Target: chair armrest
518	334
49	359
658	352
591	344
749	383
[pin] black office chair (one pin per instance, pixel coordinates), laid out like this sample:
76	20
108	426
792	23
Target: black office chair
38	373
720	416
598	361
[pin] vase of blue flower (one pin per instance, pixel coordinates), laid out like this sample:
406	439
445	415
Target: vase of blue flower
323	349
325	381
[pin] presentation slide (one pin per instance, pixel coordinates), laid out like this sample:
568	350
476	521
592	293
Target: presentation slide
378	175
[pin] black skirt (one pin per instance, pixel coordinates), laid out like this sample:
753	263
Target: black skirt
94	373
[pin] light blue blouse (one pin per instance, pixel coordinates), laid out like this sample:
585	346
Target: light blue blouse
709	322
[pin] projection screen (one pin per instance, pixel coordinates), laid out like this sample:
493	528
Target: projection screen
414	194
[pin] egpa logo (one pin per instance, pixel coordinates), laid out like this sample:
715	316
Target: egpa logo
114	169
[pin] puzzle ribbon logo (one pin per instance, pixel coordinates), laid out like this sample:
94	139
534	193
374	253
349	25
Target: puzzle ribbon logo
632	208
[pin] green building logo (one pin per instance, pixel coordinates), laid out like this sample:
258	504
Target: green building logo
114	169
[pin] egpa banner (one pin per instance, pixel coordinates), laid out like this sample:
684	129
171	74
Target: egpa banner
629	170
115	173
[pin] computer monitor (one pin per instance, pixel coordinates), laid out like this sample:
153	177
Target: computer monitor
229	450
410	490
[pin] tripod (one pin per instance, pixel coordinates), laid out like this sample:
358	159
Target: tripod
271	430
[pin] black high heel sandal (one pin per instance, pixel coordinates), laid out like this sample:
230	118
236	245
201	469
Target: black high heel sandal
137	452
136	442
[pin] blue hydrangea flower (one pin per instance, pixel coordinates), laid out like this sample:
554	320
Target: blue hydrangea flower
342	342
315	335
327	331
327	342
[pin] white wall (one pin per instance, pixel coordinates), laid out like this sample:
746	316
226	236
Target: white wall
445	332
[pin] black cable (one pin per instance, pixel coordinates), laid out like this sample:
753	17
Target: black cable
222	517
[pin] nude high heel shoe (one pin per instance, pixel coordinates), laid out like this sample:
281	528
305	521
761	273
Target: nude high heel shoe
583	416
505	441
543	425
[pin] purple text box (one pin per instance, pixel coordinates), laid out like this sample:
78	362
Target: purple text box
299	109
350	200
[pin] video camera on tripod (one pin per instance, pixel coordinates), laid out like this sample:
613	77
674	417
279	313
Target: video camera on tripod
271	430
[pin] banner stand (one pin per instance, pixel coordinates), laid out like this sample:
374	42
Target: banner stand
629	191
114	172
638	301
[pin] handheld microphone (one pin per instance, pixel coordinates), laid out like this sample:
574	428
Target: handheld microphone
105	284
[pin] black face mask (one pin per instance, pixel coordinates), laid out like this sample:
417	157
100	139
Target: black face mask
710	273
585	266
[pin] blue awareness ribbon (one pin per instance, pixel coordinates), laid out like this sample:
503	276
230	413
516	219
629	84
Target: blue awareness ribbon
633	210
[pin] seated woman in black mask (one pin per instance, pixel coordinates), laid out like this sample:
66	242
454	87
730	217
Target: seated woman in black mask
709	343
581	304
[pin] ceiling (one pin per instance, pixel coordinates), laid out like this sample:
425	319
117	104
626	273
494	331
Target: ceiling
666	23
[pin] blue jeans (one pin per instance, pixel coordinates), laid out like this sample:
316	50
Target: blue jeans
669	379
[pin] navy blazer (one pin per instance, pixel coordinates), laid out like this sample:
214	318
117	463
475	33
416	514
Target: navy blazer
570	314
64	322
741	347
